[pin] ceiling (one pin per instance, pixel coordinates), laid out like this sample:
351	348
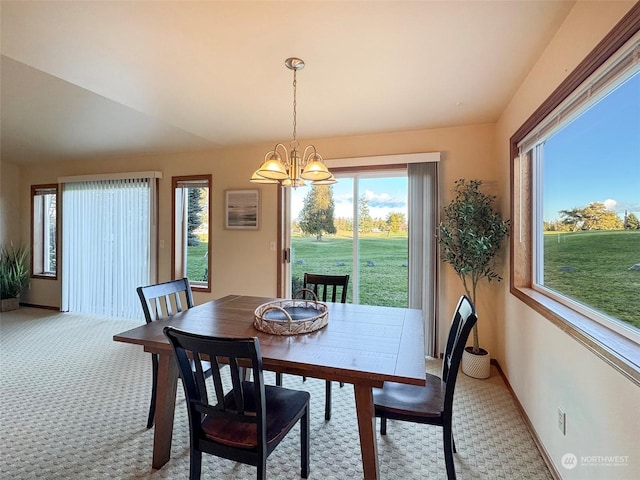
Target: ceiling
92	79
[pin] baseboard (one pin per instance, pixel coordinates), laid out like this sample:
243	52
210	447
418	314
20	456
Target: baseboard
543	451
45	307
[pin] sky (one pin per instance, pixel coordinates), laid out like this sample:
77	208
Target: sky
385	195
596	158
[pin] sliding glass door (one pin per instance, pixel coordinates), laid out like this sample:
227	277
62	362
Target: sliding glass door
108	238
357	227
377	225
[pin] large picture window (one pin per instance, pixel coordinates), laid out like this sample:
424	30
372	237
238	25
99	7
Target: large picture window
586	177
192	230
576	202
44	222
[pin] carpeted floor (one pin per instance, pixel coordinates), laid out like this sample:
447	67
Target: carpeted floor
73	405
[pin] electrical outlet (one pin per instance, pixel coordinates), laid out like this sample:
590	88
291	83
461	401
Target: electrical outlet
562	421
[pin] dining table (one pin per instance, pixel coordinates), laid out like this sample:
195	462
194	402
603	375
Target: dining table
362	345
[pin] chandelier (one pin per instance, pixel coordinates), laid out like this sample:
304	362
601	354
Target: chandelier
292	169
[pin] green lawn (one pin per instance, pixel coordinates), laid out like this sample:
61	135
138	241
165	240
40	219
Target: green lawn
197	262
383	276
593	268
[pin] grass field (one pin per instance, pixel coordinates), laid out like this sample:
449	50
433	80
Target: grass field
590	267
593	268
197	262
383	274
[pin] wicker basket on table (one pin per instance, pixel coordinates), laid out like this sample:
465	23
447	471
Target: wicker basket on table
292	317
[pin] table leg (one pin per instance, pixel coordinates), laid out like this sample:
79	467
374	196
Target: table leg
165	409
367	428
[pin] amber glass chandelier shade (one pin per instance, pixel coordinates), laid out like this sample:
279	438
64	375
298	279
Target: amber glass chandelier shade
328	181
315	170
256	178
273	169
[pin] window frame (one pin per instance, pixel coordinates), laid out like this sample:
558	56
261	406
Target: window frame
615	349
37	252
176	268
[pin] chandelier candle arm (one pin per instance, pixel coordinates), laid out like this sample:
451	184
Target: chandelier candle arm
295	169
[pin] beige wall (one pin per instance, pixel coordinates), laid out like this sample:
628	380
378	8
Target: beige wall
9	203
546	368
242	261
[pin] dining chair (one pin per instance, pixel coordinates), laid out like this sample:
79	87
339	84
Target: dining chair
160	301
236	419
331	288
433	403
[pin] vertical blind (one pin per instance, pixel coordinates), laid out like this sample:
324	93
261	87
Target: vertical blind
423	252
107	232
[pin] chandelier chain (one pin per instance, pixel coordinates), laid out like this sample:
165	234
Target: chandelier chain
295	84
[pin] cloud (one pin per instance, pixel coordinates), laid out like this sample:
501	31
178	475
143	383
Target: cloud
621	207
384	200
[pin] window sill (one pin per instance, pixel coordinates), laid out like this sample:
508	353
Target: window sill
200	288
618	351
45	276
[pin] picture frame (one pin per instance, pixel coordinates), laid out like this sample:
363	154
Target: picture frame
242	209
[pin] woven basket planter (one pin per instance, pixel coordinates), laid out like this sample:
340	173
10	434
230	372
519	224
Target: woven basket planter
476	365
9	304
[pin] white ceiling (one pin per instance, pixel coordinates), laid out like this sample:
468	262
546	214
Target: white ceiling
89	79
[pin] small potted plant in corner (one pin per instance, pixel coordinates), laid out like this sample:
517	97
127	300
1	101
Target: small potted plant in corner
14	275
470	236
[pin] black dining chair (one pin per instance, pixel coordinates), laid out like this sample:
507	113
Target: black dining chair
239	420
433	403
160	301
327	288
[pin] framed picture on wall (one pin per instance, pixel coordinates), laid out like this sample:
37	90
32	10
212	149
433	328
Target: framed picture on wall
242	209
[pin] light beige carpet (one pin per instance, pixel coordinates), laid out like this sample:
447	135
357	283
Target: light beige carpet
73	405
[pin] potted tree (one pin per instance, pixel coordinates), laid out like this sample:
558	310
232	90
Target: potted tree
470	236
14	275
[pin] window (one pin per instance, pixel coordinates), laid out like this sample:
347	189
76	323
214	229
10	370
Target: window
576	202
192	230
44	230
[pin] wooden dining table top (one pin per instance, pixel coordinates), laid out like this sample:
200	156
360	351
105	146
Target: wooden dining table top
360	342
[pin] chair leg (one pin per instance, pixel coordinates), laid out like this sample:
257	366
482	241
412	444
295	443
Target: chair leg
154	389
304	444
447	437
195	465
278	379
262	470
383	425
327	401
341	384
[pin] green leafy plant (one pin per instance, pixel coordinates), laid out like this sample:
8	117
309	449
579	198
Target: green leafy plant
14	270
470	236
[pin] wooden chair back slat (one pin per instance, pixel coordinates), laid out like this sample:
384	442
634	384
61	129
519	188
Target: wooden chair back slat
328	288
